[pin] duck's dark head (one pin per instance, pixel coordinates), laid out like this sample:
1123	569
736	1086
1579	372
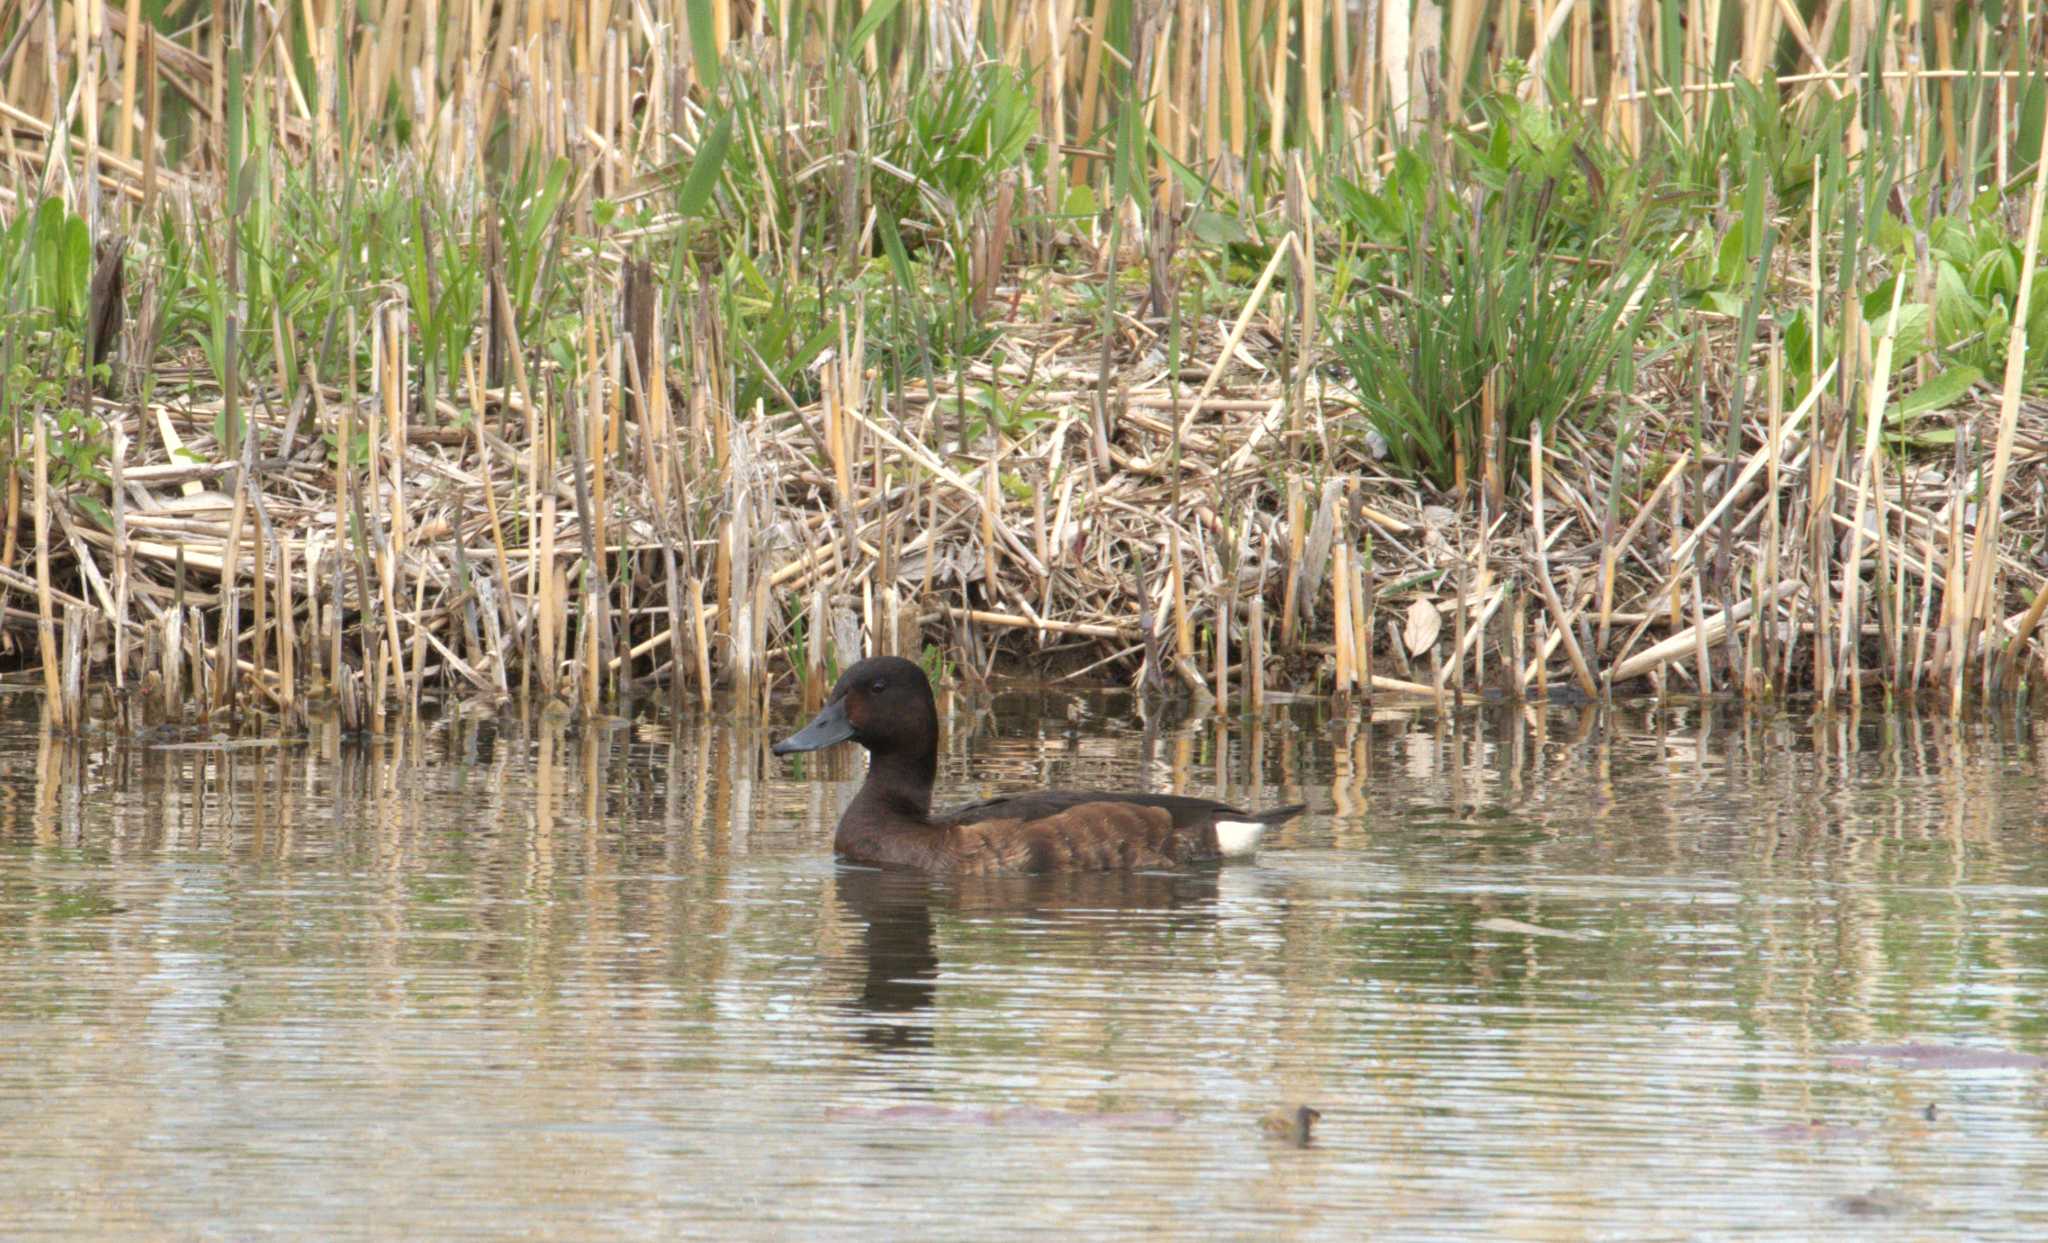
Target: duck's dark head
883	703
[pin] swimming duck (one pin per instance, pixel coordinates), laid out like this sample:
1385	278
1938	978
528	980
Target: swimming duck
885	704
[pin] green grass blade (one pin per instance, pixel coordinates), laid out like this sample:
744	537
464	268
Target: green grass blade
704	170
870	22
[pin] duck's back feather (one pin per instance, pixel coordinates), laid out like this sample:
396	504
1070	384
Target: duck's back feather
1027	806
1078	831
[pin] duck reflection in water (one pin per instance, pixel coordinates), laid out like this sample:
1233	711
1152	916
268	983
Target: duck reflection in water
898	911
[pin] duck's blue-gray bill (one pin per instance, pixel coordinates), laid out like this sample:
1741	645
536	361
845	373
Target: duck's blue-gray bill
826	728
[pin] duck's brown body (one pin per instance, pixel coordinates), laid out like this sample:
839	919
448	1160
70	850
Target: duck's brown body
1043	831
885	704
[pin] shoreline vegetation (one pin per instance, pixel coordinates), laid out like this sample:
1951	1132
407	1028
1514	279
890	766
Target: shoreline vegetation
355	352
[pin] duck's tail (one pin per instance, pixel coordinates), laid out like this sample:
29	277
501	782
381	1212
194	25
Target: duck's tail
1236	839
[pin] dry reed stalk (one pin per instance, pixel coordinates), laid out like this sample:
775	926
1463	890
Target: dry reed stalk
503	589
2009	661
700	643
1819	550
1362	630
1183	624
591	610
1296	533
1255	654
1944	66
1451	672
46	618
542	577
410	690
1693	638
1015	621
1702	660
1340	578
231	561
1396	66
86	50
71	716
288	642
738	604
1469	630
173	662
122	556
259	633
1954	610
1290	244
378	694
1918	667
990	503
1091	87
1222	674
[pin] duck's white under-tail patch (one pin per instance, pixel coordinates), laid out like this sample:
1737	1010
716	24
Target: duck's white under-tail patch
1237	839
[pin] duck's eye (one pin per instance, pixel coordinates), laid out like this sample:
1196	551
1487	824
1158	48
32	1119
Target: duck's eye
877	686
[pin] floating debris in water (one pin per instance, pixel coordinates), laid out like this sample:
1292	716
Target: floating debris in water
1293	1125
1504	924
1878	1202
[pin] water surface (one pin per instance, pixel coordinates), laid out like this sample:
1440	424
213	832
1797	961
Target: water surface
1659	973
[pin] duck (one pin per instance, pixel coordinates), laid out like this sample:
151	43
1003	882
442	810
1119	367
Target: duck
884	704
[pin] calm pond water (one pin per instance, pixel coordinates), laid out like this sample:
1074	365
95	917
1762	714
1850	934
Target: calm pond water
1653	974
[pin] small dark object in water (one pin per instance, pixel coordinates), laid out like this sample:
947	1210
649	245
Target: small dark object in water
1931	1111
885	704
1292	1125
1876	1202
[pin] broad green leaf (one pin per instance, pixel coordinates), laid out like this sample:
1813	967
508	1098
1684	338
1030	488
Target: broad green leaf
1909	334
1218	229
1723	301
75	269
1943	390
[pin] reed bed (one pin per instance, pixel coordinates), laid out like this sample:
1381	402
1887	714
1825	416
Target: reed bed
358	356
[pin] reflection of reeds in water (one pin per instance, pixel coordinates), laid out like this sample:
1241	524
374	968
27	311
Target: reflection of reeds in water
518	811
